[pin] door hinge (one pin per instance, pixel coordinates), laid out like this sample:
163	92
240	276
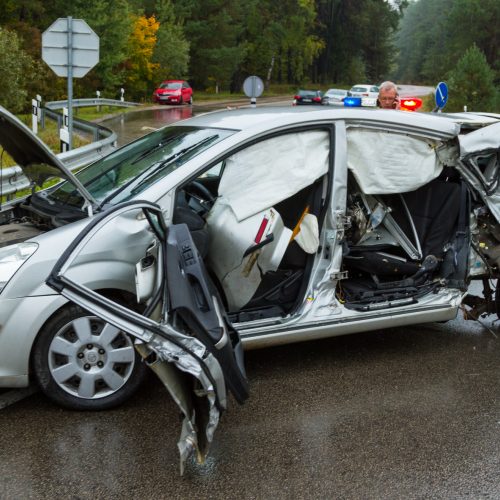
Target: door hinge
339	275
343	221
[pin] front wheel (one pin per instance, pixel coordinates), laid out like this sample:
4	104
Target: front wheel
83	363
190	102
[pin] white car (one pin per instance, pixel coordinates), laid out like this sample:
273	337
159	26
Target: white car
367	92
240	228
334	97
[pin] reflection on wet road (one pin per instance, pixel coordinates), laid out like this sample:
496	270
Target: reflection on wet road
130	126
404	413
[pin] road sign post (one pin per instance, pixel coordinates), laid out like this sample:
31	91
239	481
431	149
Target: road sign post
64	132
34	116
71	49
253	87
441	96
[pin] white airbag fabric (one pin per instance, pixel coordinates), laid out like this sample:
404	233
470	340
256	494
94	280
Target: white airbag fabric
387	163
229	239
271	171
308	237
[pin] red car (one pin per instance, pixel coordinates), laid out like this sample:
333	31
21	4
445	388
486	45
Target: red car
173	92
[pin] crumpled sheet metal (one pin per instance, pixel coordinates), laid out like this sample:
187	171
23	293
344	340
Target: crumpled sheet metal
199	420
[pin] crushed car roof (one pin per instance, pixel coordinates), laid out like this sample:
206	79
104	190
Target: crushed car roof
270	117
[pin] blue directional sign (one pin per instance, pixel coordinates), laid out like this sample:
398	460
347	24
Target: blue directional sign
441	95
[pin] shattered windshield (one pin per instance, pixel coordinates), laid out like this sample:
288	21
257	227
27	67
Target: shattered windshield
133	168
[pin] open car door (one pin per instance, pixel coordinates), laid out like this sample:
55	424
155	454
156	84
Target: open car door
181	331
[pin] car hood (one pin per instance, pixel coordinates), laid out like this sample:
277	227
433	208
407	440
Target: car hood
36	160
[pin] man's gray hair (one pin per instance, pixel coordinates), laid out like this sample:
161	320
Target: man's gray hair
388	86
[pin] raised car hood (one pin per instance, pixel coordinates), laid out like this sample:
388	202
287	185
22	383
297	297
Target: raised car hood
36	160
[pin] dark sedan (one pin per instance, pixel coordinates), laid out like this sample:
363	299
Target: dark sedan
308	97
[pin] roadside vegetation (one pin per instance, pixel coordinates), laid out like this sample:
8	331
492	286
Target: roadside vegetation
216	44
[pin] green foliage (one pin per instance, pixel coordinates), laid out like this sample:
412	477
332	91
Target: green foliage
434	35
110	19
15	67
217	43
361	31
214	29
471	83
171	51
356	70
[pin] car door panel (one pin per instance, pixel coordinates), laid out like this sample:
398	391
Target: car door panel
183	335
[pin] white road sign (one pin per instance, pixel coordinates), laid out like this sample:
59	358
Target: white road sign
81	42
253	86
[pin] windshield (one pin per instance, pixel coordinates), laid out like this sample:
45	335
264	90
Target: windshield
171	85
133	168
308	93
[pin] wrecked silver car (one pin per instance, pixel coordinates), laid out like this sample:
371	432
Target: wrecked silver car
259	227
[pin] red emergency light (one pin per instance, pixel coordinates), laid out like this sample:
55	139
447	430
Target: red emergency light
410	104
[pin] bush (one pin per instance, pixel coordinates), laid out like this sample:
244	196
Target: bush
15	67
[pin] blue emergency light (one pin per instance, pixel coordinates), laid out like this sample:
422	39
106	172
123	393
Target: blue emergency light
352	102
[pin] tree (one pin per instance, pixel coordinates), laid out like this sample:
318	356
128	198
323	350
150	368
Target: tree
280	39
111	21
214	29
358	37
434	35
422	42
171	51
471	83
475	22
15	68
139	66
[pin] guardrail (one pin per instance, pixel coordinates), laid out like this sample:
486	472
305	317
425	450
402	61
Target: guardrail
13	179
98	101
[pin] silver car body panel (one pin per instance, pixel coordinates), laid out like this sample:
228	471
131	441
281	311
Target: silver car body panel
27	296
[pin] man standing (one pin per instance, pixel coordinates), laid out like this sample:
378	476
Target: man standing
388	96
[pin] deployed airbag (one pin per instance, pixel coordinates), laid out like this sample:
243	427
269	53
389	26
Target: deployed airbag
387	163
271	171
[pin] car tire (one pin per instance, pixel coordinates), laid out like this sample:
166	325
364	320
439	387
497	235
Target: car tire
190	102
82	363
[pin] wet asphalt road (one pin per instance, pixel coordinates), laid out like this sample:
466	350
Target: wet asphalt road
408	413
403	413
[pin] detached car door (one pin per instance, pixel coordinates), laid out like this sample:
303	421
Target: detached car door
179	324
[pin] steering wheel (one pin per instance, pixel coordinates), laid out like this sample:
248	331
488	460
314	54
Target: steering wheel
199	197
